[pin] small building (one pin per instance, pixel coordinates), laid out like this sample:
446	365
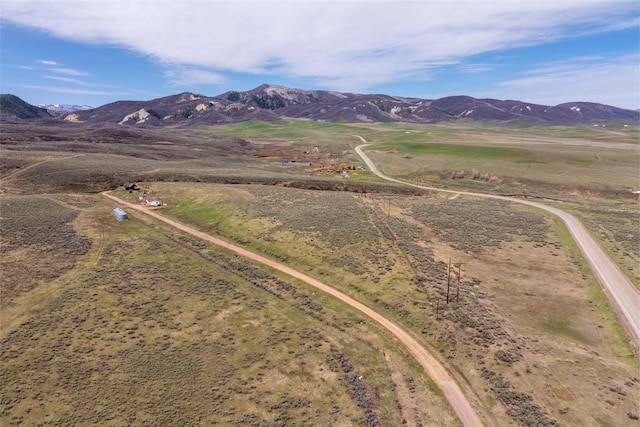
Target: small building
295	163
120	214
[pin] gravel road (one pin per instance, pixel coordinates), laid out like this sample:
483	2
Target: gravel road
623	296
431	366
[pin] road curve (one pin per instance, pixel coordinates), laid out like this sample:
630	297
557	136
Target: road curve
431	366
623	296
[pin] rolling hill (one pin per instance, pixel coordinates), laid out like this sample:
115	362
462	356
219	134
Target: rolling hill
12	107
272	102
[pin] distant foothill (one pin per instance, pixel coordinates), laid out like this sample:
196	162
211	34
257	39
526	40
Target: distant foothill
272	103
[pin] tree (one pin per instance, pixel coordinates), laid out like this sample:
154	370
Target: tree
233	97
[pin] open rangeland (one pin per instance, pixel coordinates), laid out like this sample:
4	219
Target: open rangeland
132	322
154	326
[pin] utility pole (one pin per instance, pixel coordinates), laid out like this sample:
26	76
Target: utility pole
448	279
438	309
459	276
388	207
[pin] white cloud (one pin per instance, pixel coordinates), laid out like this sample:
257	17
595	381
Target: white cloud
69	71
68	90
57	67
68	80
606	80
181	76
344	45
476	68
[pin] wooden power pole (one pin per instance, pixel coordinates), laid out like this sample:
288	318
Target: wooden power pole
448	279
388	207
459	276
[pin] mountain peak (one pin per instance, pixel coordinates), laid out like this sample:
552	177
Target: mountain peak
271	102
11	105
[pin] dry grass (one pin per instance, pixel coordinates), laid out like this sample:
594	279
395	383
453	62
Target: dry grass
558	162
38	243
153	326
146	325
525	307
615	224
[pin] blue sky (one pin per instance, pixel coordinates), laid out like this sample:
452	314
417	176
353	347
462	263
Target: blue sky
545	51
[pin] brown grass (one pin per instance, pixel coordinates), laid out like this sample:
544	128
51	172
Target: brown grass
152	326
525	307
146	325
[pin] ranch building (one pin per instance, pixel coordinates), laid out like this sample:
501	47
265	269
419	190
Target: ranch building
120	214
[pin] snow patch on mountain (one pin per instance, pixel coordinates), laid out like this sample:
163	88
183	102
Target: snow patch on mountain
64	108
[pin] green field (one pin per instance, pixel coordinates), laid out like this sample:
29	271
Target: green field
469	151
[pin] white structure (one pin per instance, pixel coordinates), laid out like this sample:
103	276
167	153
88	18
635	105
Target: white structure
120	214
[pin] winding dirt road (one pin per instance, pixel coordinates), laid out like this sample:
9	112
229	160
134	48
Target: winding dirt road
431	366
623	296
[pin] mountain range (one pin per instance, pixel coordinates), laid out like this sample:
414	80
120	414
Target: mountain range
61	109
272	103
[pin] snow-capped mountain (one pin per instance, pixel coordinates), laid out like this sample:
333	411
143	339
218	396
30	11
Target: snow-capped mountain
64	108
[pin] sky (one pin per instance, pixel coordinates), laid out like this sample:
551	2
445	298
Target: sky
548	52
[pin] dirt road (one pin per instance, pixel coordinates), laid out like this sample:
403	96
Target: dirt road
623	296
431	366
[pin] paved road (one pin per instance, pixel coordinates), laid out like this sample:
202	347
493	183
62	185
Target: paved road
431	366
623	296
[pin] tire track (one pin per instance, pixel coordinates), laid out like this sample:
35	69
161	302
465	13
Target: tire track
432	367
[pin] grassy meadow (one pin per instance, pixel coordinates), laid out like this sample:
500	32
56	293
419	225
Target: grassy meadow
126	323
154	327
511	327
